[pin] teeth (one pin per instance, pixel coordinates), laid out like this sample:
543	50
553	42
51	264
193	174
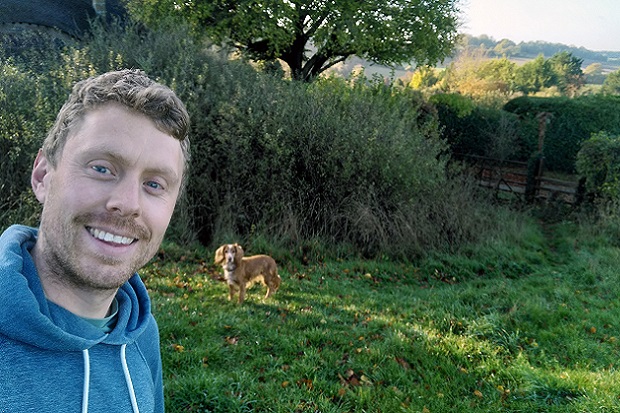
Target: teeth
107	237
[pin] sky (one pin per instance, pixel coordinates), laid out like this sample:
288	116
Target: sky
593	24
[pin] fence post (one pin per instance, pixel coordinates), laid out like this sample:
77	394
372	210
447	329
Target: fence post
535	168
534	174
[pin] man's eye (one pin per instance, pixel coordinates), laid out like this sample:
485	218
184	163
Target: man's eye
154	185
101	169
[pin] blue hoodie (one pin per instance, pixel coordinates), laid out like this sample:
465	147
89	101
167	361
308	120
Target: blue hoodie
54	361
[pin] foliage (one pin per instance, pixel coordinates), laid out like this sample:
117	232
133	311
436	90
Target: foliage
354	163
483	79
567	70
524	322
472	129
571	122
31	92
387	33
531	49
611	85
598	161
594	75
534	76
424	77
493	80
341	164
462	106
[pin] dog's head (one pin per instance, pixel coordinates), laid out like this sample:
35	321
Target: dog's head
229	256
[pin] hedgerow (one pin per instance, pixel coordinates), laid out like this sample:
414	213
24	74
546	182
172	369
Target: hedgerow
571	121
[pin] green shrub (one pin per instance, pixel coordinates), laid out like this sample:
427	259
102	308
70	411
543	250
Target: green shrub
598	161
571	122
477	130
24	117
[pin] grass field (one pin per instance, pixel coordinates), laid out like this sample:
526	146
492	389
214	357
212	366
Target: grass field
523	325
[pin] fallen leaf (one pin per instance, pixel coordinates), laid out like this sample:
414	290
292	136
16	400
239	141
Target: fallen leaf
404	364
232	340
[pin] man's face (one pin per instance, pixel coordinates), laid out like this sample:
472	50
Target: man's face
108	202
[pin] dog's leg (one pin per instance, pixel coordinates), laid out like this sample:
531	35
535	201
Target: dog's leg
273	284
241	293
231	292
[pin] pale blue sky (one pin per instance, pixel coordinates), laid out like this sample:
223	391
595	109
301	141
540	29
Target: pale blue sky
593	24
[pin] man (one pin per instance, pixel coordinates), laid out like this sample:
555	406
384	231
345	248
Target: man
76	330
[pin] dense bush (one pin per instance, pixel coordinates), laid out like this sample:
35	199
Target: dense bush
28	101
571	122
598	161
472	129
349	163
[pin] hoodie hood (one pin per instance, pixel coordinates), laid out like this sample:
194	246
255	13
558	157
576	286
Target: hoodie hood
27	316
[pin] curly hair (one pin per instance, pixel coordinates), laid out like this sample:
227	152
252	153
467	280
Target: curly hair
131	88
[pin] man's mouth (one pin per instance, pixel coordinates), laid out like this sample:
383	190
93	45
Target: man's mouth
109	237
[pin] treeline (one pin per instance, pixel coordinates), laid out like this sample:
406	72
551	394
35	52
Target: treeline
510	49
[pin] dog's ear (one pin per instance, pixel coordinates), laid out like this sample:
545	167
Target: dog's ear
219	255
239	252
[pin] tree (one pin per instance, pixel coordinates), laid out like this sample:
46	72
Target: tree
593	74
568	74
475	75
424	77
313	35
504	48
534	75
611	86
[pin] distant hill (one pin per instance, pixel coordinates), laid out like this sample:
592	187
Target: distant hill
530	50
520	53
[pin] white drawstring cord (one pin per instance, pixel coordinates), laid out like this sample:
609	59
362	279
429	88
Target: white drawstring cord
86	387
132	393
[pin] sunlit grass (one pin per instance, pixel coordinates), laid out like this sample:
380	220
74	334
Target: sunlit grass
525	328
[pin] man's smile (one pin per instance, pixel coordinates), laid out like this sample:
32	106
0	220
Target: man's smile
109	237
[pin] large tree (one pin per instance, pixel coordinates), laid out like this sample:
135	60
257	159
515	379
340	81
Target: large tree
567	69
313	35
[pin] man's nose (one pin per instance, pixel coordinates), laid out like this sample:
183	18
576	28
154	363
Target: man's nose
125	198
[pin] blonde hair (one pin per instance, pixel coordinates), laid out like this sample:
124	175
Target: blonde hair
131	88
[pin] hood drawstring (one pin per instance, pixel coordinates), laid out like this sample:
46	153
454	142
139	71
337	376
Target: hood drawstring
86	388
132	393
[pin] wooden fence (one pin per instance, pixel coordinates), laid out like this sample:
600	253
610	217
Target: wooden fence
521	180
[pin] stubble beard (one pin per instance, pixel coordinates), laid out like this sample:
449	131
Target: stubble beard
69	264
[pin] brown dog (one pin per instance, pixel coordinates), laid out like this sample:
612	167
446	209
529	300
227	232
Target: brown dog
241	272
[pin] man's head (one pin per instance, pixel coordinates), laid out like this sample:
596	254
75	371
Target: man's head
132	89
108	176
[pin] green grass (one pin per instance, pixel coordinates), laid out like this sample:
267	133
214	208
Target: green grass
523	325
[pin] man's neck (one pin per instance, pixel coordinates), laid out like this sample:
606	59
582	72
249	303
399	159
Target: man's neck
87	304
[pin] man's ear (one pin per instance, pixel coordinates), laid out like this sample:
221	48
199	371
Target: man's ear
40	169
